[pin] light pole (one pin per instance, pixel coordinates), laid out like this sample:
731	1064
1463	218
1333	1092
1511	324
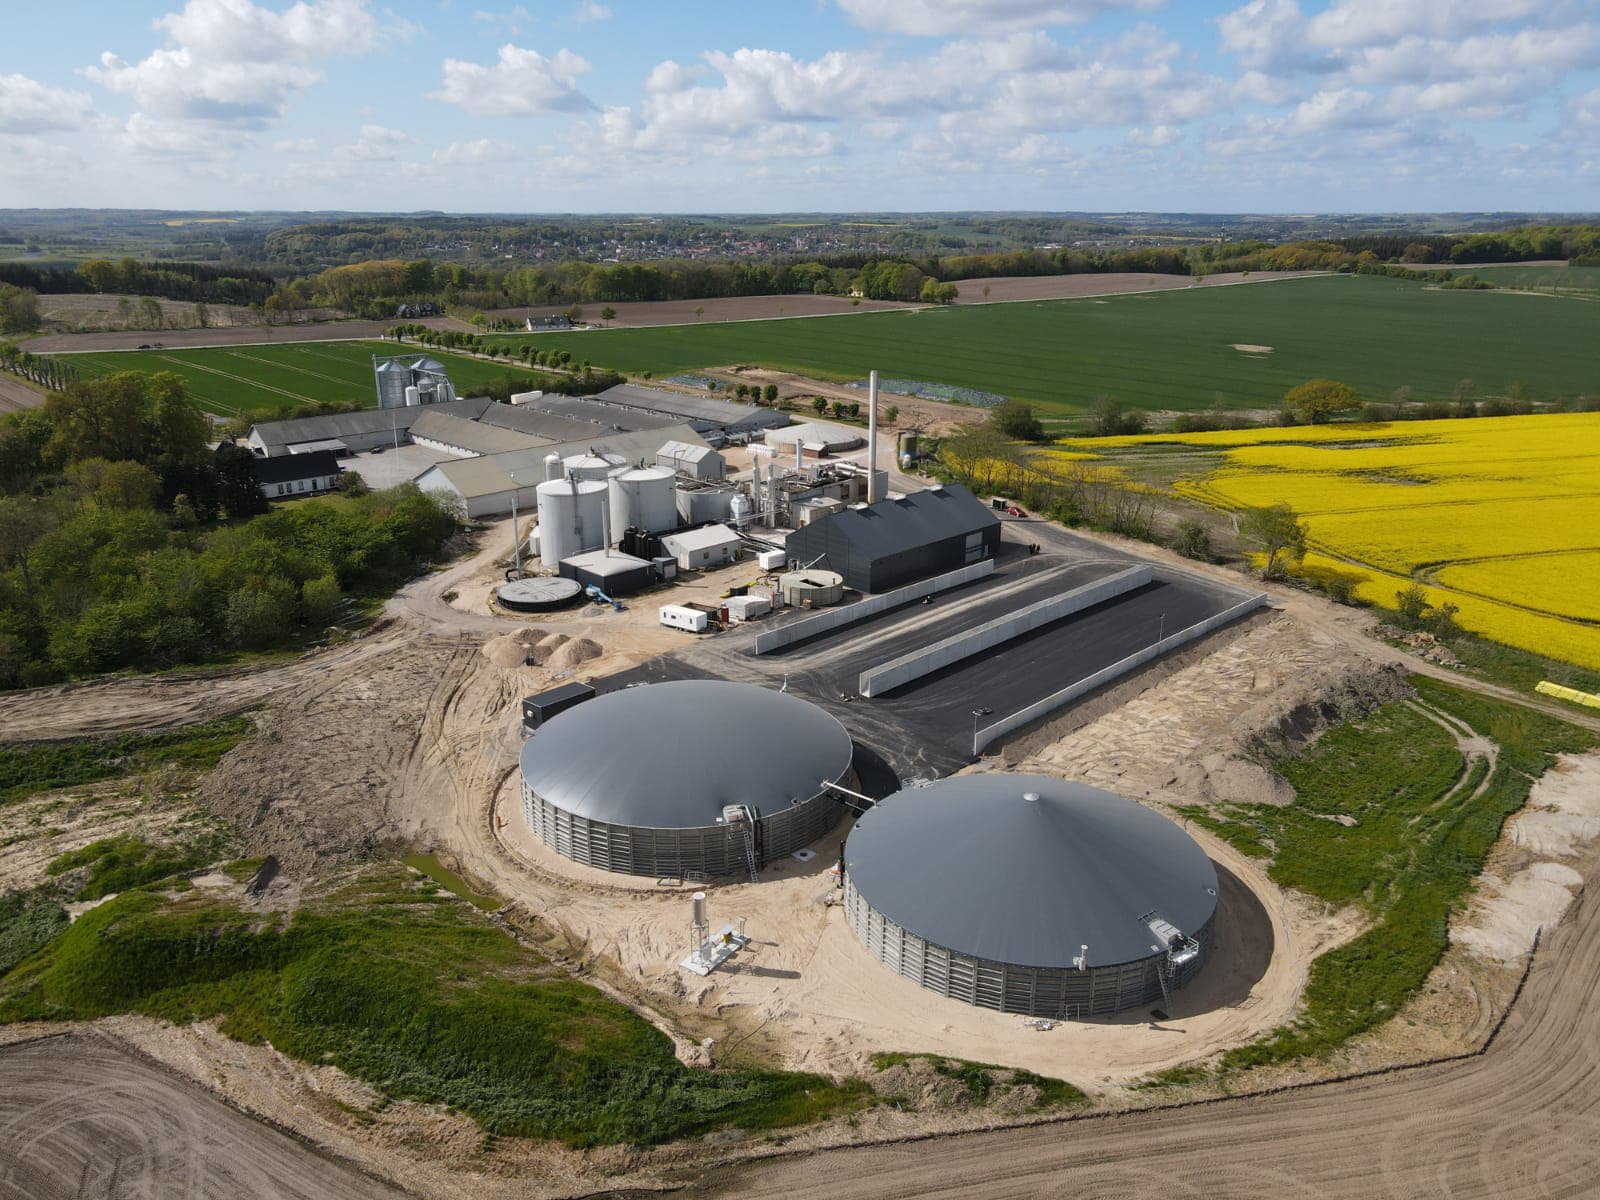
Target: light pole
976	713
1161	629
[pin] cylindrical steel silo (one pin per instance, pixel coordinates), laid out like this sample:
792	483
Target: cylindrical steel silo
572	516
643	499
592	466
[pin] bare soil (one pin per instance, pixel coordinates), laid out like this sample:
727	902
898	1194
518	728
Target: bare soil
15	394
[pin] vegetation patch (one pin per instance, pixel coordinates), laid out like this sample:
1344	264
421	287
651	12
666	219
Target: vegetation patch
120	864
1377	825
400	985
429	865
39	767
974	1083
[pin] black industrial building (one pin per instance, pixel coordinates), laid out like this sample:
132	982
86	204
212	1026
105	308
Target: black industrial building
895	542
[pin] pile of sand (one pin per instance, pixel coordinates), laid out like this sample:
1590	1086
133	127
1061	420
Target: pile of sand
513	649
540	648
571	653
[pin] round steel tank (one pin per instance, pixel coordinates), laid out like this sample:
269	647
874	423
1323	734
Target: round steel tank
696	506
643	499
572	514
688	779
552	466
541	593
815	589
740	509
592	466
1030	895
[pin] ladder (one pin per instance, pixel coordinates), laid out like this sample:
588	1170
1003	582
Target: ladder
743	817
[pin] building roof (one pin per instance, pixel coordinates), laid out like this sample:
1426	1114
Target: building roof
290	468
973	865
553	426
822	434
707	537
671	755
684	452
472	478
367	421
592	411
474	437
893	526
333	444
684	406
604	563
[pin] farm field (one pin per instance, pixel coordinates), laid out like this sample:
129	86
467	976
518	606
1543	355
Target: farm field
1167	350
237	379
1540	277
1499	515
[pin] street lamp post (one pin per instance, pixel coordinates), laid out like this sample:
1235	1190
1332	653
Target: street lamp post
1161	630
976	713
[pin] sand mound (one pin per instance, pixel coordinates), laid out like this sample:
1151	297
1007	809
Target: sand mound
570	654
543	652
514	649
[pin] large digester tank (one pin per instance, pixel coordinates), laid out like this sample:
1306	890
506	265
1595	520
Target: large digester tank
643	499
592	466
572	518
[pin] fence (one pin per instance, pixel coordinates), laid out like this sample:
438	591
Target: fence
836	618
900	671
1116	670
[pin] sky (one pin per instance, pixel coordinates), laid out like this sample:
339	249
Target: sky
1273	106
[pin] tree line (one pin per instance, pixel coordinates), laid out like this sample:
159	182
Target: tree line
127	542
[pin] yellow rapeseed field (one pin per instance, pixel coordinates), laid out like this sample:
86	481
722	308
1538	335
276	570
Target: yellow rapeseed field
1499	515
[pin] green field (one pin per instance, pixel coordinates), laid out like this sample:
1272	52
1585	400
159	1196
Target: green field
1559	277
1167	350
238	379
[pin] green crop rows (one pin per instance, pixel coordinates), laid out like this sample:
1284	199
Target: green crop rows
239	379
1166	350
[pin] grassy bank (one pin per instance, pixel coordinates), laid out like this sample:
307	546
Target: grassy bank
400	984
37	767
1377	825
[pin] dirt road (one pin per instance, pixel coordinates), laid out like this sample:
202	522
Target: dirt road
80	1117
1520	1120
244	335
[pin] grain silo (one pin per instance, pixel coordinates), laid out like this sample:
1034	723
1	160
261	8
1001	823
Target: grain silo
1030	895
572	518
643	498
592	466
688	779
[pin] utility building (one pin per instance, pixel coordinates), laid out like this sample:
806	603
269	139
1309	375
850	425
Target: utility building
895	542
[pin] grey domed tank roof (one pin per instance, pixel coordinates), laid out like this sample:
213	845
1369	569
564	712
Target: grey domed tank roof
671	755
975	865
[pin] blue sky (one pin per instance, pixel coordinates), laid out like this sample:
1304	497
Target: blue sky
831	105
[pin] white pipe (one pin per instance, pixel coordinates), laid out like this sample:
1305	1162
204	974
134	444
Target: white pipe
872	436
516	535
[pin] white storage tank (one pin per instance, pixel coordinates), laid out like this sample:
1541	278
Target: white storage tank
413	397
552	466
592	466
699	505
643	498
740	510
572	519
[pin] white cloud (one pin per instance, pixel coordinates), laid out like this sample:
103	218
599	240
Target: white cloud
147	135
476	153
232	60
378	144
28	106
588	11
1155	137
670	76
511	21
939	18
521	83
1265	34
1356	23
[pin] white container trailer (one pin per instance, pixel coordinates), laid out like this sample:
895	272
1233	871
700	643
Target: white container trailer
771	560
747	608
676	616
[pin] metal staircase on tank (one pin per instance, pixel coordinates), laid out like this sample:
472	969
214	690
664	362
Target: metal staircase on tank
1181	950
743	817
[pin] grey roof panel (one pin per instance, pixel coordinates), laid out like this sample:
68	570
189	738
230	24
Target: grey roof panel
368	420
971	865
671	755
894	526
